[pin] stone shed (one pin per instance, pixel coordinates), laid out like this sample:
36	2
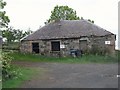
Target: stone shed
58	38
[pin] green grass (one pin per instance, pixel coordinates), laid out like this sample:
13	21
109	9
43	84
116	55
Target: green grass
25	74
28	73
84	59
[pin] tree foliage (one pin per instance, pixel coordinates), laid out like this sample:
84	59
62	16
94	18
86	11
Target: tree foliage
12	34
8	34
62	13
4	19
5	60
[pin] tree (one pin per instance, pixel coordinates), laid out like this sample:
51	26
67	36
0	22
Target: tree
62	13
7	71
28	32
19	34
8	34
12	34
4	20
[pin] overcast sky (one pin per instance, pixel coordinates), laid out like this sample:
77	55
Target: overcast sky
32	14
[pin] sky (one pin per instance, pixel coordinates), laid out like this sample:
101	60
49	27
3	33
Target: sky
32	14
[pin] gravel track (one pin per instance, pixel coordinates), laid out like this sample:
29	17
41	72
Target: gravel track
62	75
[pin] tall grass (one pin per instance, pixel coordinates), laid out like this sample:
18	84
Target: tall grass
84	59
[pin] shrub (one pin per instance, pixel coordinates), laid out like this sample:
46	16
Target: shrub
7	70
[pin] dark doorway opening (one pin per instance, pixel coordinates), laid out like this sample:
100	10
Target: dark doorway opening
35	47
55	46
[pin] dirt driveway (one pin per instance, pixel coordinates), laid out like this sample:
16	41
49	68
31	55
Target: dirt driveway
59	75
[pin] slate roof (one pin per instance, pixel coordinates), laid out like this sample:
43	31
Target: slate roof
67	29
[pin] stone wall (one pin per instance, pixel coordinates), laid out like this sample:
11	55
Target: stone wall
89	43
25	47
69	44
99	43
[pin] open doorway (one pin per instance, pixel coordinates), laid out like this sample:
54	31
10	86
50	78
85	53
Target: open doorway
35	47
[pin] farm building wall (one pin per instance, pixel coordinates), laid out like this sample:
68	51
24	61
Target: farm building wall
104	44
84	43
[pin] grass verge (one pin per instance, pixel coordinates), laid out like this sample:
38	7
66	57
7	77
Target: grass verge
84	59
25	74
